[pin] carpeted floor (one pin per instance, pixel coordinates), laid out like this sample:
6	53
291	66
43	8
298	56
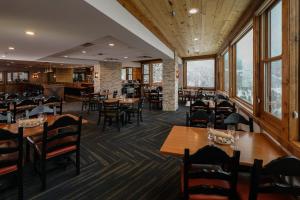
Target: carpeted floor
114	165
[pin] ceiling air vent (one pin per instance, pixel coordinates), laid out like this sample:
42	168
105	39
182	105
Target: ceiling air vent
144	57
100	54
88	44
111	59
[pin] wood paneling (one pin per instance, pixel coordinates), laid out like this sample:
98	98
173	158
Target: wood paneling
212	24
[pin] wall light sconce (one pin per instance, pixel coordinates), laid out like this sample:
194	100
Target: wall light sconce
96	74
35	75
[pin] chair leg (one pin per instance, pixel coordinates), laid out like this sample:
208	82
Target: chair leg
27	157
78	162
43	174
118	123
141	116
104	123
138	118
99	118
20	184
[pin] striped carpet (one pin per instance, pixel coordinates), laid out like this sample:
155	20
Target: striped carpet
114	165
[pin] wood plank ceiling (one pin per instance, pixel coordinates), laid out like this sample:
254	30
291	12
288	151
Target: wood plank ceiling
211	25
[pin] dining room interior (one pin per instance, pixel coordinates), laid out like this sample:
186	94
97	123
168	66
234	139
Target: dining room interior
149	99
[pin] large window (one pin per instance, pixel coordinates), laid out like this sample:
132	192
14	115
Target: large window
200	73
244	67
146	72
17	77
129	74
123	74
226	72
1	77
157	72
273	61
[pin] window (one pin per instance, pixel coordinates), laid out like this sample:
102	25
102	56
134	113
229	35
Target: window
157	72
123	74
17	77
244	67
201	73
146	76
129	74
273	61
226	72
1	77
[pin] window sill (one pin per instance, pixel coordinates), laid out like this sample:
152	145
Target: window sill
243	106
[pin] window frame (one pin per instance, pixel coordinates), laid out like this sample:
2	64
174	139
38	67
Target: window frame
249	107
223	70
13	81
128	74
277	123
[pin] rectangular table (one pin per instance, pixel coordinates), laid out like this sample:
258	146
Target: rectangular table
37	130
251	145
124	101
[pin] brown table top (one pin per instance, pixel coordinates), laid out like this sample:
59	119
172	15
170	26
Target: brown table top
211	103
251	145
124	101
37	130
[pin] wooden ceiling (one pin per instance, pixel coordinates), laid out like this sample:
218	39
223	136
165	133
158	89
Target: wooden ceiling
211	25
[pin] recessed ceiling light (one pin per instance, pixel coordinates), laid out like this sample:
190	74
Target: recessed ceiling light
197	50
83	52
3	56
30	33
66	56
196	39
11	48
193	11
125	57
111	44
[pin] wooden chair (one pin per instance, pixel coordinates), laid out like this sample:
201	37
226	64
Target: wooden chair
137	110
210	172
154	99
236	119
11	156
199	105
222	110
21	107
84	101
112	110
65	142
198	118
115	94
54	101
275	181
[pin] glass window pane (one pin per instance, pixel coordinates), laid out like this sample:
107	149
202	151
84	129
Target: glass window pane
275	30
226	72
146	69
244	68
123	74
130	77
157	70
201	73
1	76
9	77
15	76
129	70
146	79
273	89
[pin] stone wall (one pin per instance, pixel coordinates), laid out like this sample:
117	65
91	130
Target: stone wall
96	76
110	76
170	85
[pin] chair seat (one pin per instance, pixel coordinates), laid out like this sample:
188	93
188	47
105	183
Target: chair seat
59	151
244	187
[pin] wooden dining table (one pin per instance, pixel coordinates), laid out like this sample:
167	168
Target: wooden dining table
37	130
124	101
251	145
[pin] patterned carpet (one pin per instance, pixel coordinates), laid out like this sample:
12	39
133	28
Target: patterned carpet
114	165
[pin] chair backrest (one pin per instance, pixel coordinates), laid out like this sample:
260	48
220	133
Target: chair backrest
67	127
199	105
224	107
198	118
4	106
275	177
214	157
4	118
115	93
236	118
154	96
44	109
22	106
11	148
111	106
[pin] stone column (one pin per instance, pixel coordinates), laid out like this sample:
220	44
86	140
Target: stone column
110	76
170	84
96	78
